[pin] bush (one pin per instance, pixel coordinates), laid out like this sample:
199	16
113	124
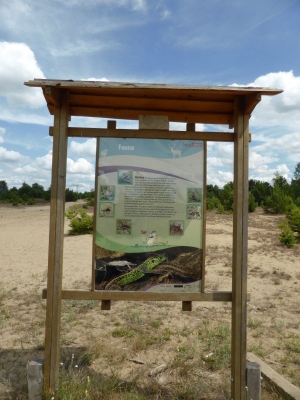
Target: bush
81	222
252	203
31	202
212	203
293	217
278	202
287	236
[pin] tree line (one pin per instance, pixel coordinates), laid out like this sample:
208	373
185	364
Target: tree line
280	197
274	198
29	195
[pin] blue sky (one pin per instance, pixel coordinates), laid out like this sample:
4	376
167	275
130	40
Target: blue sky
195	42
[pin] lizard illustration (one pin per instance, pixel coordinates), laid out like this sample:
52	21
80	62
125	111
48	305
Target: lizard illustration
138	272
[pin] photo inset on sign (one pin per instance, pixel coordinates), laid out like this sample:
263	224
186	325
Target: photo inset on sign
124	226
176	228
194	195
193	211
125	177
107	192
106	209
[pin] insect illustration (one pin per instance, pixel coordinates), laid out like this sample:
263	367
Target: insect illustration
176	228
106	210
124	226
193	212
194	195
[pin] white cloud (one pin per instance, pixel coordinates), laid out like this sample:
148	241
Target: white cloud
44	162
81	166
78	47
137	5
9	156
219	178
215	162
18	64
266	174
257	160
283	170
165	14
96	79
282	109
87	148
2	131
15	115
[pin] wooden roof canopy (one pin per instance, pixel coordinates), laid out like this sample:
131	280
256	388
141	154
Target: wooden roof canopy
180	103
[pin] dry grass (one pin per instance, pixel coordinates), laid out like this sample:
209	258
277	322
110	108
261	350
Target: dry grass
97	347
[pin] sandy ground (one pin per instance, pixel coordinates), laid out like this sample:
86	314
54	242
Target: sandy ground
273	284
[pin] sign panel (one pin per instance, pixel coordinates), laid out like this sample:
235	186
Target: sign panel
149	219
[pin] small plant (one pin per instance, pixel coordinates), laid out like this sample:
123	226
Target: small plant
81	222
254	323
286	236
122	332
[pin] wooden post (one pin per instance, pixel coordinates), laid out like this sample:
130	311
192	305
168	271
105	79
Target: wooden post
239	260
56	240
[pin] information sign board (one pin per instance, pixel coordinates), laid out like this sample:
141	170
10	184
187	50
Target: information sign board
149	215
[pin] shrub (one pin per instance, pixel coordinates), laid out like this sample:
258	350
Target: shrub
81	222
252	203
287	236
212	202
31	202
293	217
278	202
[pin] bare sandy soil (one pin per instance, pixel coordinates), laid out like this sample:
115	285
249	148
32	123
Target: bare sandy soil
273	309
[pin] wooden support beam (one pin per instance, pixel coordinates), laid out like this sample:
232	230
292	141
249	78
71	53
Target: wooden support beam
105	305
149	133
151	104
187	306
239	261
73	294
251	102
52	96
56	240
174	116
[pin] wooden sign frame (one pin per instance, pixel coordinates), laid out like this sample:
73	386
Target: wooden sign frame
113	131
190	104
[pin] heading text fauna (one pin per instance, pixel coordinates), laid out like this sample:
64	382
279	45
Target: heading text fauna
121	147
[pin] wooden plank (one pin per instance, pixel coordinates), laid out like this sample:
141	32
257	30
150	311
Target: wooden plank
142	296
157	86
95	213
149	133
239	261
174	116
56	239
153	103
